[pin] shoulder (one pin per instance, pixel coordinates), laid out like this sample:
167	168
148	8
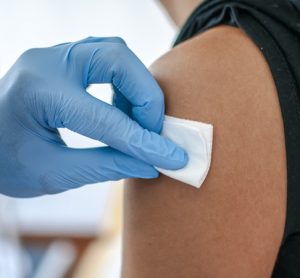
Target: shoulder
220	68
219	77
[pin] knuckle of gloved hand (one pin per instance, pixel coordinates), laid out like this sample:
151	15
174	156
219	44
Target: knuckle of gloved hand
37	60
109	57
29	52
23	86
118	40
29	55
28	66
115	53
26	77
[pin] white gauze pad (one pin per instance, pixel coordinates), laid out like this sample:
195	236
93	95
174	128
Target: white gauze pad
196	139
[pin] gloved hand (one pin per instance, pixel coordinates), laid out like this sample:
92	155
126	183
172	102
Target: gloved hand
46	89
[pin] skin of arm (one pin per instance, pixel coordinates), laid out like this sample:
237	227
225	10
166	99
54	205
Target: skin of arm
233	225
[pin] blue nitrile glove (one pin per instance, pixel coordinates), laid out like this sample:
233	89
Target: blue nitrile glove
46	89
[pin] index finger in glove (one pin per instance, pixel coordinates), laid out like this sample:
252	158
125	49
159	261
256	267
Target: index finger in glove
111	61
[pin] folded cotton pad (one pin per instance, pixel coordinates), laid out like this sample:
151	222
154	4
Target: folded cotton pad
196	139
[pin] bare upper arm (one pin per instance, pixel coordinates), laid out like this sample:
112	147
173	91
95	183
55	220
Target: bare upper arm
232	226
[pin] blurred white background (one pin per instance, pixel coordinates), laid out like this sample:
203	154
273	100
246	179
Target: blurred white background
38	23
